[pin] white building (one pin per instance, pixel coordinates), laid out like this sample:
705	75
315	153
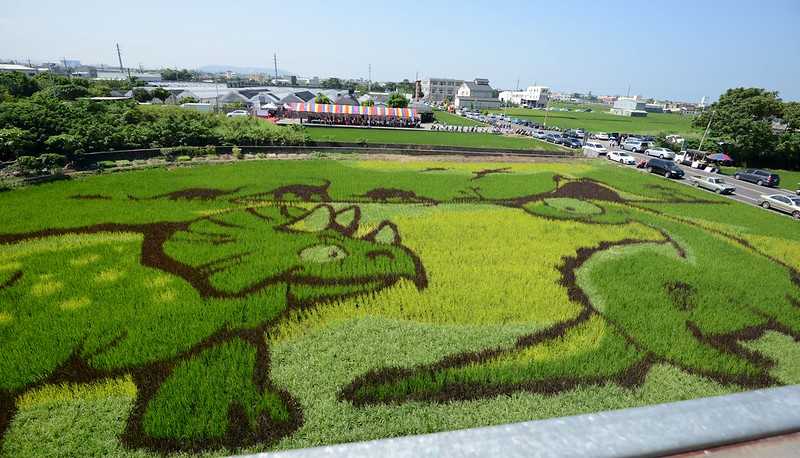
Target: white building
438	89
629	106
532	97
8	68
107	74
476	95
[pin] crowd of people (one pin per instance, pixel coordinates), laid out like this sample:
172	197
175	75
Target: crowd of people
330	119
448	128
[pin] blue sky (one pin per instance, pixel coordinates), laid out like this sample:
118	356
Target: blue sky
668	49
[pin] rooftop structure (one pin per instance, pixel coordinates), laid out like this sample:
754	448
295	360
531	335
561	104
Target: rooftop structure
532	97
476	95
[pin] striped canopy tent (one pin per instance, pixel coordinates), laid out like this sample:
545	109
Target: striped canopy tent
311	107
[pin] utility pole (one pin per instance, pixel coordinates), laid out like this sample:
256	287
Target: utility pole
369	79
546	111
629	90
121	67
275	61
705	134
518	84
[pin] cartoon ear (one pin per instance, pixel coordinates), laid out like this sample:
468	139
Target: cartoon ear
346	217
347	220
316	220
385	233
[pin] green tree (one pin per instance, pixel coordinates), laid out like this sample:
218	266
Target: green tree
405	86
322	98
397	100
100	90
17	84
14	142
332	83
142	95
65	144
368	103
742	118
188	99
69	91
160	93
791	114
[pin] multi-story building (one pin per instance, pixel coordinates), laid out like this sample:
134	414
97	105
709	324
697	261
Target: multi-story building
439	89
532	97
476	95
625	106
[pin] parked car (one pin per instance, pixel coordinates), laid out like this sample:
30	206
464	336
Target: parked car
621	157
553	138
572	142
600	136
635	145
540	134
786	204
758	176
714	184
662	153
237	113
664	167
596	148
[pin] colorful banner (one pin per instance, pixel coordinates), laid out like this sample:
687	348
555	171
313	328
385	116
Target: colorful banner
312	107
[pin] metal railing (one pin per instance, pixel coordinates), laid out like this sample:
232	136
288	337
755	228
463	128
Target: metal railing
655	430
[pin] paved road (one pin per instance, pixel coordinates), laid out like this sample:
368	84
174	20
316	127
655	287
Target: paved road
748	193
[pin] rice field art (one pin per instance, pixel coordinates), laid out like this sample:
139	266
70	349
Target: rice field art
272	305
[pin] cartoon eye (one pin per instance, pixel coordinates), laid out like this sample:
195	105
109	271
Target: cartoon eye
323	253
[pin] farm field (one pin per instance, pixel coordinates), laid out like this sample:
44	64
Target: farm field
424	137
596	121
268	305
444	117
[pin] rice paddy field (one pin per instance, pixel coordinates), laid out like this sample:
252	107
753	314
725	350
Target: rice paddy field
600	120
268	305
425	137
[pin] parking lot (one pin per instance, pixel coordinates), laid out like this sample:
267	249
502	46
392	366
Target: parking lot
746	192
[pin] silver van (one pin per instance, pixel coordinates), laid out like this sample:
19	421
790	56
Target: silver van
635	145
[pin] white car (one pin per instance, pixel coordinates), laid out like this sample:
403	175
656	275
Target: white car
600	136
780	202
237	113
596	148
621	157
661	153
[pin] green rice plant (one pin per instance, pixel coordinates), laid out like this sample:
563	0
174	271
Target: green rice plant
274	304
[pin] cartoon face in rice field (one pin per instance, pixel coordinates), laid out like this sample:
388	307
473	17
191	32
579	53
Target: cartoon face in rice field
195	341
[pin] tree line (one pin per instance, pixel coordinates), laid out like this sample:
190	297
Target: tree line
44	115
755	127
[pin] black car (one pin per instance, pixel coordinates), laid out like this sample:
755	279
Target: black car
664	167
758	176
572	142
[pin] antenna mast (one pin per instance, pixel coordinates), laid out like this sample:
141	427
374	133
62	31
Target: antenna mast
275	61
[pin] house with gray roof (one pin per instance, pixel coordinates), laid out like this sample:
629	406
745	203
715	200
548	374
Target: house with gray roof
476	95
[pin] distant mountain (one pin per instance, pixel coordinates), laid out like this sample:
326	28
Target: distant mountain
216	68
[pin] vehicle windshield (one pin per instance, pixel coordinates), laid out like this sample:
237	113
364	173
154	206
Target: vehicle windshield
717	181
796	201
